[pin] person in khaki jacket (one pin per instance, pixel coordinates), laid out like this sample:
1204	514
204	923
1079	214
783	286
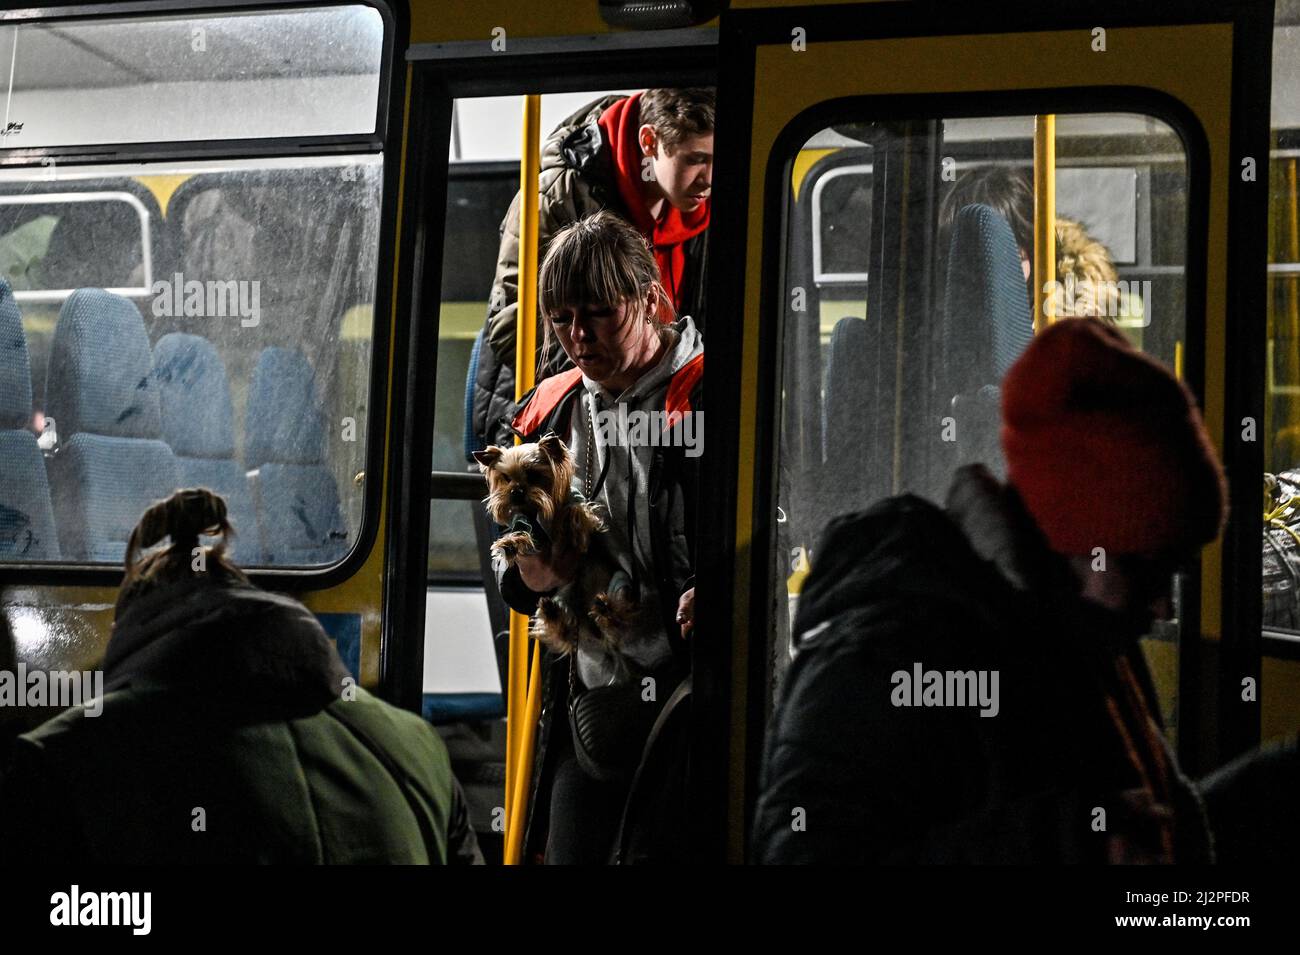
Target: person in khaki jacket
229	732
647	157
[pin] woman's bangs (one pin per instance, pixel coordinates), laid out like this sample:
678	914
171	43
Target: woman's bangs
578	277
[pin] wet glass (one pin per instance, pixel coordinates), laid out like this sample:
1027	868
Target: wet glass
877	353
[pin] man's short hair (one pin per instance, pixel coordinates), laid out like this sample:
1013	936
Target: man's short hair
679	114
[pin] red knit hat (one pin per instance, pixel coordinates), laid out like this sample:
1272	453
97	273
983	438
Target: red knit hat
1107	448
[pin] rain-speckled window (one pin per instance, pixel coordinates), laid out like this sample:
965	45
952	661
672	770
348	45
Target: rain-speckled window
893	356
169	320
274	73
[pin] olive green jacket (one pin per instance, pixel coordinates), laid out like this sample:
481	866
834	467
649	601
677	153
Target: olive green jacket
230	732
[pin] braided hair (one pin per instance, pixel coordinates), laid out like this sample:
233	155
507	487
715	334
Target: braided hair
182	518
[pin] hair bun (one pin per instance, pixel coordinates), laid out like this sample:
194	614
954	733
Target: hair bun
185	516
192	513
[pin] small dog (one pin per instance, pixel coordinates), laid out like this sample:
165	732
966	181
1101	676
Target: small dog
530	494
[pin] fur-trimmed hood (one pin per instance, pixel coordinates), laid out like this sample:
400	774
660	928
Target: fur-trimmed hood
1087	262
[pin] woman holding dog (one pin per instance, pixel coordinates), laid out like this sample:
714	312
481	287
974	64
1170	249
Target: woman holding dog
600	297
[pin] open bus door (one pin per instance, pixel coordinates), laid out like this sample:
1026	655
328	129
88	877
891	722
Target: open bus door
902	78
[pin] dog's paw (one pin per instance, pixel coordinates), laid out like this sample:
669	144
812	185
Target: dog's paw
584	523
613	616
514	545
554	627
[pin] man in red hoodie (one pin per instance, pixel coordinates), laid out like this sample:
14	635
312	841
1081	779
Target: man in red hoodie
647	157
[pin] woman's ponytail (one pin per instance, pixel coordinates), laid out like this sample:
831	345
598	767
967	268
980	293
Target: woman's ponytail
183	518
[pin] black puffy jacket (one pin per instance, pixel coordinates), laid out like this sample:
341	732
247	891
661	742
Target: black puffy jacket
849	776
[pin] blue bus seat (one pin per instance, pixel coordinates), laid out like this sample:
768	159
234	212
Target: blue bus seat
112	463
849	414
198	421
986	300
296	498
472	441
987	324
26	517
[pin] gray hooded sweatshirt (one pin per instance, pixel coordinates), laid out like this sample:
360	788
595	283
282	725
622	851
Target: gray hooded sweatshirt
627	429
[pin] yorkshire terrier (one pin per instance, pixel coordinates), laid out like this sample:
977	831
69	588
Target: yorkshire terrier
530	494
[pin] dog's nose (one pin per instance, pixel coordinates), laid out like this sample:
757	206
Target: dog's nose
517	495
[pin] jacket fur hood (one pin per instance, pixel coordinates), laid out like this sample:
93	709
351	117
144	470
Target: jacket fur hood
1087	261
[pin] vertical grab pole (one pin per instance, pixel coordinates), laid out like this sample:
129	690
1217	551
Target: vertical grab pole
1044	264
1293	255
524	699
523	772
1288	402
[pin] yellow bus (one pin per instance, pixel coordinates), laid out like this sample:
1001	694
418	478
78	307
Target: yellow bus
304	200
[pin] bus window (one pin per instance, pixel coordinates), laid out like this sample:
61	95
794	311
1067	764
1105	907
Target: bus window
478	196
227	307
174	321
893	356
48	238
103	231
274	73
309	232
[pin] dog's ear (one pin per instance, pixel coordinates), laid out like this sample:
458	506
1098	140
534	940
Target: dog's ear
553	447
488	457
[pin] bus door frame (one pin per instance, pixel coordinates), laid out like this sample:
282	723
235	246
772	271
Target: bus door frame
748	392
438	74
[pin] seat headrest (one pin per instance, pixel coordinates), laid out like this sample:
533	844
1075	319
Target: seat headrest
987	298
100	373
848	384
15	364
283	423
198	419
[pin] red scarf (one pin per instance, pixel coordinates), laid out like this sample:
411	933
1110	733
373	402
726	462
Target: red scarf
1140	738
620	124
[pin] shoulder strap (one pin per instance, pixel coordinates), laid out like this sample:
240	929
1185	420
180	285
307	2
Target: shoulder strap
545	398
678	400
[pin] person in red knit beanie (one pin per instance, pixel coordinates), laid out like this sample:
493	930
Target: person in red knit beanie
1108	453
968	685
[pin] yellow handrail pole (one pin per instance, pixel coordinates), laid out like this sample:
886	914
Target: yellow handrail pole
519	759
1044	264
518	812
1292	312
1293	255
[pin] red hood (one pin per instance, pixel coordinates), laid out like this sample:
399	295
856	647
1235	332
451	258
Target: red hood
619	124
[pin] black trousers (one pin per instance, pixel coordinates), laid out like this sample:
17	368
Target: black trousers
585	813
